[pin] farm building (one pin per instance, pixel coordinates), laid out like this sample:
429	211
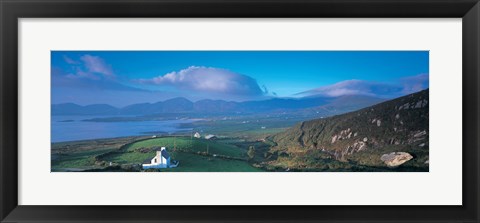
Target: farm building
197	135
210	137
161	160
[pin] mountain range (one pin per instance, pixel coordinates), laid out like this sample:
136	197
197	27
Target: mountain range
184	106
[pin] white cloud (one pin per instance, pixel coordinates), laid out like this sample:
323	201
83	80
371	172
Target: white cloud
69	60
89	67
208	80
82	74
403	86
96	64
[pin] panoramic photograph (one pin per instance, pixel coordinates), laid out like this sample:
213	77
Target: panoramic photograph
239	111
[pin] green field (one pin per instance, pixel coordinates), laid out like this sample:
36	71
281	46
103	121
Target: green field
80	155
77	160
194	155
196	163
191	145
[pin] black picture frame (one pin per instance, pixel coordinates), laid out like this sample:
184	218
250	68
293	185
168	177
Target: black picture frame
12	10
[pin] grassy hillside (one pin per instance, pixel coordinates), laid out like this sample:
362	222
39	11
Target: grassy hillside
358	139
194	155
79	155
127	154
140	151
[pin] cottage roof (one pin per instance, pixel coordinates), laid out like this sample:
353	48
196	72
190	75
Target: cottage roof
165	154
147	161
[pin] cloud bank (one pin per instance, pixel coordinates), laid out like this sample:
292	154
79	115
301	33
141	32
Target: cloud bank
87	72
95	64
403	86
209	80
90	67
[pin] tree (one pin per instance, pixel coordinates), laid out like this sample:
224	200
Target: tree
251	152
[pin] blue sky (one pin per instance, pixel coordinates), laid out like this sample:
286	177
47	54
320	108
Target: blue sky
121	78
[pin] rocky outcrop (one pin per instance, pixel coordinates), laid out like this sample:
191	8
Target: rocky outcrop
344	134
355	147
396	158
419	104
417	136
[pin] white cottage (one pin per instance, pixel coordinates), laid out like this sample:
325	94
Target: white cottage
210	137
161	160
197	135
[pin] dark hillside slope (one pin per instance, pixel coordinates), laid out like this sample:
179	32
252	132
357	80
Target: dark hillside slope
360	138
